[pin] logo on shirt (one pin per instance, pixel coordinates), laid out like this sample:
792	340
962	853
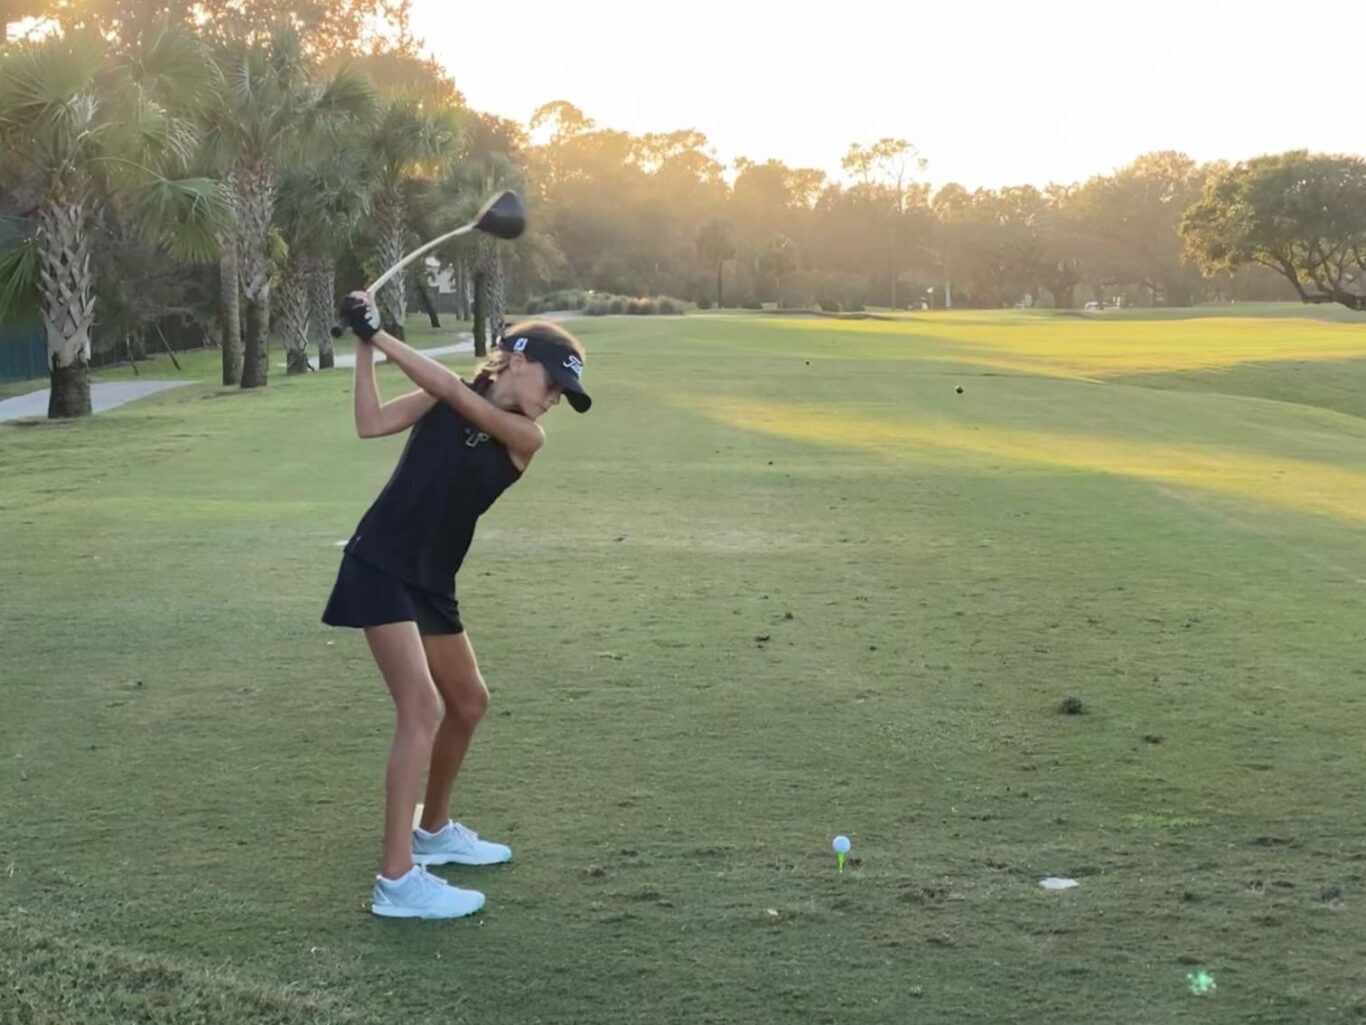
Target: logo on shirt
473	438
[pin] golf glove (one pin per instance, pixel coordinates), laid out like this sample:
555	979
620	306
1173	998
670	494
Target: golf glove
360	316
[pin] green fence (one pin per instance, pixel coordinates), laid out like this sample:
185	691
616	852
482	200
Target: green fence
23	353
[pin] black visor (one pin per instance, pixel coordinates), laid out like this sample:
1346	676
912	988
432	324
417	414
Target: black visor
563	365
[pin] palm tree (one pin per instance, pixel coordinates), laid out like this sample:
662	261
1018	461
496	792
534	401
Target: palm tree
411	143
345	201
317	208
322	304
294	307
464	190
272	109
779	259
97	131
716	244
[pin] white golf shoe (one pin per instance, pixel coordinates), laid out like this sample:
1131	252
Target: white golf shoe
419	894
453	844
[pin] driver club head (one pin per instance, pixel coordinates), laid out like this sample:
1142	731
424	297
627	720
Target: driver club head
503	216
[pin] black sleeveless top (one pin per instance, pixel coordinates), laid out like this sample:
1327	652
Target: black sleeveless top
421	525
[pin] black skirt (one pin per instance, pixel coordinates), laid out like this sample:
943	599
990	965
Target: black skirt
365	596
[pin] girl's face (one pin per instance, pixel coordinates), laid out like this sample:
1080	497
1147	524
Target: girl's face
532	388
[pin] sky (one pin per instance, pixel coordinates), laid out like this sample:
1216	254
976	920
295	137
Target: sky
991	93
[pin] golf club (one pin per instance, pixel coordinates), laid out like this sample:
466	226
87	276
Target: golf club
503	217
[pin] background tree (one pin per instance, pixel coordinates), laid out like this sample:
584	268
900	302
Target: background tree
95	133
324	28
716	245
1134	214
778	259
317	210
884	170
1301	215
272	108
408	149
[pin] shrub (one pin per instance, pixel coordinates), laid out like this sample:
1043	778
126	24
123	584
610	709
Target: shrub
565	299
600	304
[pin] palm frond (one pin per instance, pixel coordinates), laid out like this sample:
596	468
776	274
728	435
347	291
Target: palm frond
144	130
252	90
48	100
37	83
319	205
410	141
218	137
19	298
350	94
188	216
470	182
173	64
344	104
285	56
239	75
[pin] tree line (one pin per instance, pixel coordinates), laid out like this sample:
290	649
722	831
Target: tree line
223	169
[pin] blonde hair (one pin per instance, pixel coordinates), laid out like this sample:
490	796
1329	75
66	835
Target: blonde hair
541	330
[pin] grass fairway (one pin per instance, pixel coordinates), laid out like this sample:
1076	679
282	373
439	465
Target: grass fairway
782	582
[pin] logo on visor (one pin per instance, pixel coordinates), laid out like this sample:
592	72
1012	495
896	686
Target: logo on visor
573	364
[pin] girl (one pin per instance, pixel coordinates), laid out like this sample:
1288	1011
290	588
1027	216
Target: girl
468	444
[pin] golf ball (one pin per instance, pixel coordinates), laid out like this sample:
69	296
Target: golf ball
841	845
1201	983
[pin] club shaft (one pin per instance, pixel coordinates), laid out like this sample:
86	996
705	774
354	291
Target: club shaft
384	278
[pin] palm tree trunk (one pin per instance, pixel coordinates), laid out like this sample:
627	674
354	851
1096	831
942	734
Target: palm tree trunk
392	228
462	288
230	313
229	298
428	304
1063	288
480	306
497	312
294	314
256	196
321	276
68	302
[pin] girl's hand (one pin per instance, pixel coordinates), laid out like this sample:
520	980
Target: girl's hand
359	314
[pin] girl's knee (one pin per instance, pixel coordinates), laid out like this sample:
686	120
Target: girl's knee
470	703
420	715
